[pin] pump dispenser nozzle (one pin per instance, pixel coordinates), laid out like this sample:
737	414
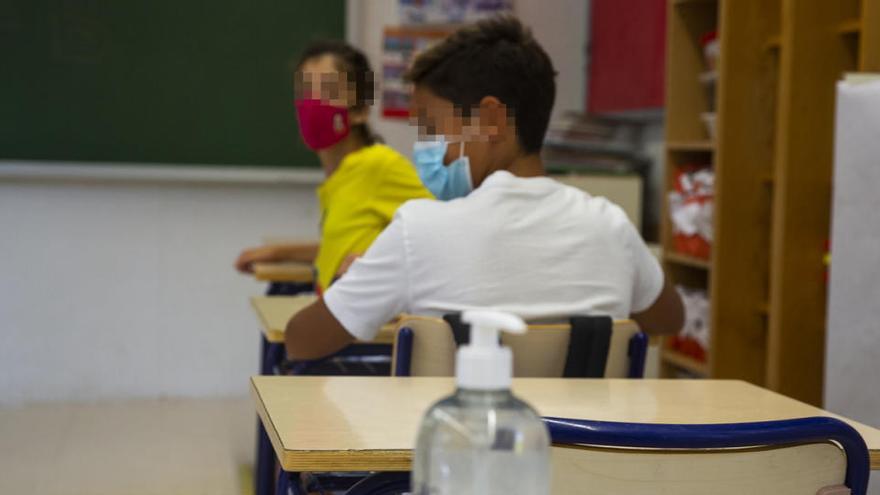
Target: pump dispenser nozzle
484	364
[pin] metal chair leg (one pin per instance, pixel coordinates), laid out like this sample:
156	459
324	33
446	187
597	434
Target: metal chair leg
382	484
288	484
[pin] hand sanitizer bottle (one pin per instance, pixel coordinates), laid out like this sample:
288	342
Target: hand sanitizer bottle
482	440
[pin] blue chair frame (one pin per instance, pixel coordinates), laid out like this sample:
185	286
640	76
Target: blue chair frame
719	436
565	431
637	352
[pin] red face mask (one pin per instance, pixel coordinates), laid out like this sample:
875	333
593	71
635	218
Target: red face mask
320	124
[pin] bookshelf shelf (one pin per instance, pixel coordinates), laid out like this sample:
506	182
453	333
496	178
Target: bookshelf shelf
849	27
773	43
685	260
680	361
695	145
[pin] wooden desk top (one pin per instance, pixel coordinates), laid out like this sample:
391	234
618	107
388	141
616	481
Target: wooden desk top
275	311
284	272
370	423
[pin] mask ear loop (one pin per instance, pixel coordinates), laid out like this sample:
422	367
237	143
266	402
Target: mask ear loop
468	167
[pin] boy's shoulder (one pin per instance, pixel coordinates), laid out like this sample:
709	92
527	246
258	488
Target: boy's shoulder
416	209
562	202
435	215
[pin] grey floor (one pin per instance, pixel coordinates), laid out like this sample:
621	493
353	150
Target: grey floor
166	447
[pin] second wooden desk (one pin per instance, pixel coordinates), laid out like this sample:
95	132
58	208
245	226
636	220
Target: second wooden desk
275	311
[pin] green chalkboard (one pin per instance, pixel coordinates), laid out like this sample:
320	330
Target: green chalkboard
156	81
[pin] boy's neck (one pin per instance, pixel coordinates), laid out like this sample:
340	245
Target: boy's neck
331	157
527	166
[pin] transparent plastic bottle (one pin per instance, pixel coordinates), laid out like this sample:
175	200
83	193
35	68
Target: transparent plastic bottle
482	440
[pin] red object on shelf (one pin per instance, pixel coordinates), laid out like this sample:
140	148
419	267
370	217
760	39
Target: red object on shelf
627	55
688	347
692	245
708	38
709	43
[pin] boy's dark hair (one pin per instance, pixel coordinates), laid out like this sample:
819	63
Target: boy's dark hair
496	57
356	67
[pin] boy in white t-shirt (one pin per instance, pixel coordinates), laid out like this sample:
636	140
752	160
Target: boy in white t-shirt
505	237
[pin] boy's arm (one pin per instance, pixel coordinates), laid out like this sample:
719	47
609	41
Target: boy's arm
314	333
656	305
665	316
372	292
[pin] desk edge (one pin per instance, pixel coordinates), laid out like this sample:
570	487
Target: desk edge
273	337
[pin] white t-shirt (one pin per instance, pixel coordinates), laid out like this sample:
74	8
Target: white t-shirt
530	246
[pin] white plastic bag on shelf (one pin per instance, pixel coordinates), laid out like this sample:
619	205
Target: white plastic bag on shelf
704	221
691	204
684	215
696	310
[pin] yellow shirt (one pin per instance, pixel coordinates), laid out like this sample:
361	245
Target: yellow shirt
358	201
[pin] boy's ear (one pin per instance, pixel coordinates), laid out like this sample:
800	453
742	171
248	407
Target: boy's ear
493	118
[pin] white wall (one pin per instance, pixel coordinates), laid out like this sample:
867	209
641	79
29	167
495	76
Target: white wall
852	362
116	289
562	28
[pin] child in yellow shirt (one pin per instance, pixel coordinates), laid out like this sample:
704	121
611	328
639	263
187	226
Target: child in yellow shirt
366	181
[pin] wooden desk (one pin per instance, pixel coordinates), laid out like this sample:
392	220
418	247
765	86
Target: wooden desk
370	423
275	311
284	272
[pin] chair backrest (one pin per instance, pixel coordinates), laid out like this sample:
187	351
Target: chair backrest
426	347
822	456
800	456
423	346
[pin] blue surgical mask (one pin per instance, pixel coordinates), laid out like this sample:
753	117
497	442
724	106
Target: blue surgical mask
444	181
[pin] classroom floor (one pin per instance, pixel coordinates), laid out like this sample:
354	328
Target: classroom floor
146	447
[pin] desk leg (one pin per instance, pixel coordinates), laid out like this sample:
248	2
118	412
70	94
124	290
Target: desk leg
264	471
265	461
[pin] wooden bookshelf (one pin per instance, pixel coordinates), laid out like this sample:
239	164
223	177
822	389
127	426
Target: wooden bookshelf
774	42
688	143
680	361
686	260
696	145
849	26
869	38
774	103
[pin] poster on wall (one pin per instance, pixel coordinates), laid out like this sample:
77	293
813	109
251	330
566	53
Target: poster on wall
400	46
450	11
424	22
